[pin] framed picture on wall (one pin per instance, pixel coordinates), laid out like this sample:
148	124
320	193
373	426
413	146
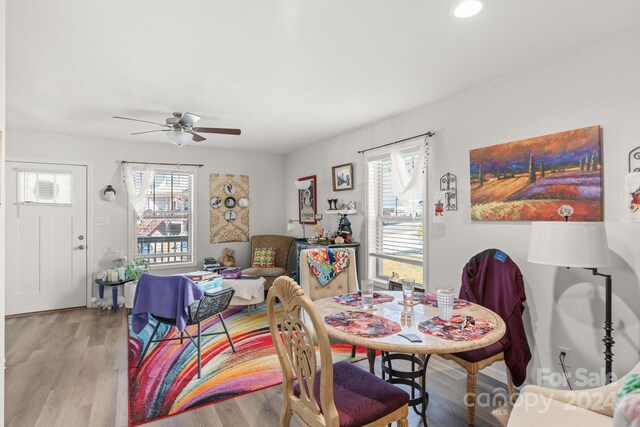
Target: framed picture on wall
308	201
528	180
342	177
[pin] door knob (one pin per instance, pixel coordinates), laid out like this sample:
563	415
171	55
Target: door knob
81	247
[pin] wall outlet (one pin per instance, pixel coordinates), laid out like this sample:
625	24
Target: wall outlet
568	359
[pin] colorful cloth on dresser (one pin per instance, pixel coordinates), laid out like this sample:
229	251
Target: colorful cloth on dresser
326	264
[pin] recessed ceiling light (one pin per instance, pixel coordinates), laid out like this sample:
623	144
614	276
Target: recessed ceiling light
467	8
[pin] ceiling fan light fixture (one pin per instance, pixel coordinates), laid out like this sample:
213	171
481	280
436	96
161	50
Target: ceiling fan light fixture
179	137
467	8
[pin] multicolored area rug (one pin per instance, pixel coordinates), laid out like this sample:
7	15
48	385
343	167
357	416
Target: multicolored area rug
166	383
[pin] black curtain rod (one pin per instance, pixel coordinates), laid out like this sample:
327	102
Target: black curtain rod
162	164
429	134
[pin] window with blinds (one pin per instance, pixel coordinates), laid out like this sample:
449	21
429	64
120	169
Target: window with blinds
164	233
44	188
395	242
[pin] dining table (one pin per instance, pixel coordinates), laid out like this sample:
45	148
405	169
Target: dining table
395	318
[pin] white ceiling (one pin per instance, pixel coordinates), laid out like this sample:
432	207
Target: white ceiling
287	72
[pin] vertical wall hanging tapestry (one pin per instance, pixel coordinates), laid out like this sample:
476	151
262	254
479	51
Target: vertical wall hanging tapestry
307	202
530	179
229	208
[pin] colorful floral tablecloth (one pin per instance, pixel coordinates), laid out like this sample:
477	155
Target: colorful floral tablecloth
432	300
459	328
356	298
362	324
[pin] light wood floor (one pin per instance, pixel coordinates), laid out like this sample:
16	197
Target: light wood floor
70	369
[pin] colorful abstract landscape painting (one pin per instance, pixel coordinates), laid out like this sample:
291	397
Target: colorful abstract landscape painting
530	179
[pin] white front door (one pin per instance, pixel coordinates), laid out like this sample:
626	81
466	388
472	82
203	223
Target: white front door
45	244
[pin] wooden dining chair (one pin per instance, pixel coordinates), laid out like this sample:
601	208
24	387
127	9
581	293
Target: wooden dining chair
486	282
326	395
344	283
473	362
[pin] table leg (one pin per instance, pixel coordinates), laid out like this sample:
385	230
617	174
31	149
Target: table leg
371	355
249	309
101	291
114	295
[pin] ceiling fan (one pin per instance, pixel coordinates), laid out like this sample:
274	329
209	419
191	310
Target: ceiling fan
180	128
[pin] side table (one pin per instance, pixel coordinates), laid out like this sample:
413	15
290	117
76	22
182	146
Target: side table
114	289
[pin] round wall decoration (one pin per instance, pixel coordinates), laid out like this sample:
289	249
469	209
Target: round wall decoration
215	202
230	189
230	216
243	202
230	202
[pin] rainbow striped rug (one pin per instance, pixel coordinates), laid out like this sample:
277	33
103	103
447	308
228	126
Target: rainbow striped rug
166	383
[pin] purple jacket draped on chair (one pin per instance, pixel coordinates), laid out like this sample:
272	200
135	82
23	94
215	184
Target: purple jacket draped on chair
493	280
164	296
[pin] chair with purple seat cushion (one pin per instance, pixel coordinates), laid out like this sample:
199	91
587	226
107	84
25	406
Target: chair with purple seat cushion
329	395
494	281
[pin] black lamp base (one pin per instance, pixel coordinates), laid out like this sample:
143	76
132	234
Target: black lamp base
608	326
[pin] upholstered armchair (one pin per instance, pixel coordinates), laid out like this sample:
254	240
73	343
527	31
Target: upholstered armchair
283	245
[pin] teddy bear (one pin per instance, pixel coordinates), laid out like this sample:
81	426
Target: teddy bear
227	258
107	303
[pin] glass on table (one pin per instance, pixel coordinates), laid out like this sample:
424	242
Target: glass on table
445	297
366	289
408	288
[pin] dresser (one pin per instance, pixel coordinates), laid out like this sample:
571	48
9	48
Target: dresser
302	244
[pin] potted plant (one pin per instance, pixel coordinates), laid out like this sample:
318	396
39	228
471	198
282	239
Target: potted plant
135	268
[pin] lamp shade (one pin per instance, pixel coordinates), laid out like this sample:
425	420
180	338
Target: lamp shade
569	244
302	185
179	137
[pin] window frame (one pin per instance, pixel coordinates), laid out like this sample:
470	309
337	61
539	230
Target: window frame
373	263
133	223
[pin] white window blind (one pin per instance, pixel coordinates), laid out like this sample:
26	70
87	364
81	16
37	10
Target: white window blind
44	188
395	242
164	233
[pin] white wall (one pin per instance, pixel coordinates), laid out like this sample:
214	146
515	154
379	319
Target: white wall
3	15
595	85
266	180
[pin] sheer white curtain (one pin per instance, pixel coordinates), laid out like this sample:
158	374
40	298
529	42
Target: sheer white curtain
137	196
407	187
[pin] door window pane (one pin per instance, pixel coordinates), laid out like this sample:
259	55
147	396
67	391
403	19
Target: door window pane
44	188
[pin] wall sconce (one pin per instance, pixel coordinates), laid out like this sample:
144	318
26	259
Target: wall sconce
302	185
109	193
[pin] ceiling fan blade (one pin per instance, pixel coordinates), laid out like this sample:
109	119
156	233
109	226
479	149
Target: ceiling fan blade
197	138
188	119
138	120
151	131
218	130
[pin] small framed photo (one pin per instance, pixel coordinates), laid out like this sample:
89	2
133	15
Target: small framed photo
343	177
